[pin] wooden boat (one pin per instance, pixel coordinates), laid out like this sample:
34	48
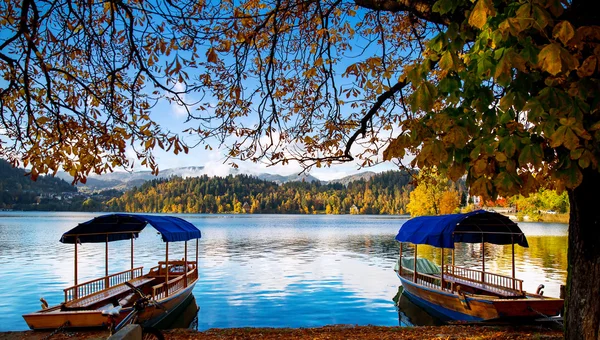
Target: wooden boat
458	293
169	283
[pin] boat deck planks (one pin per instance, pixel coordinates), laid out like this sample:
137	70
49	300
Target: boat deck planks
107	293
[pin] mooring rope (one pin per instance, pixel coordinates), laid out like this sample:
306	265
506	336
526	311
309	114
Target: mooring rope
546	316
58	330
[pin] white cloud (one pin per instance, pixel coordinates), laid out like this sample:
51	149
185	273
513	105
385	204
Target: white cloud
178	109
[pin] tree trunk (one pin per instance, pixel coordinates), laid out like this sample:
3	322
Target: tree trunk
582	306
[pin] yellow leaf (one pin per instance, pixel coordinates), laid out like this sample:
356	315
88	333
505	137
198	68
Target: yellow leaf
555	59
482	10
563	31
396	149
446	62
480	166
500	156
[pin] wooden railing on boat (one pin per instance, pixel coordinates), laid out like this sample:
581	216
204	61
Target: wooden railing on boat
94	286
500	284
490	279
166	289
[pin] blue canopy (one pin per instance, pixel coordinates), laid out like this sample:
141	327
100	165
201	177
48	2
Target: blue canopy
126	226
473	227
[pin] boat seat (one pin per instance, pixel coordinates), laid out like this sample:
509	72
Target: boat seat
105	295
500	291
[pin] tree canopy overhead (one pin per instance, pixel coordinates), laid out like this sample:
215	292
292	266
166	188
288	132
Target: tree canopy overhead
499	90
503	91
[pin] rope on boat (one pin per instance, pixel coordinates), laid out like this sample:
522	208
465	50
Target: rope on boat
59	330
546	316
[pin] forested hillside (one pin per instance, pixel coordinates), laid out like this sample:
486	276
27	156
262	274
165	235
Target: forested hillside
19	191
385	193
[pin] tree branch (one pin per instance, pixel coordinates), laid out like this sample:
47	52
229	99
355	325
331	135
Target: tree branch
419	8
365	120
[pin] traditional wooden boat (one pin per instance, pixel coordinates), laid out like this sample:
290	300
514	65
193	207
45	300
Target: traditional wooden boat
458	293
168	284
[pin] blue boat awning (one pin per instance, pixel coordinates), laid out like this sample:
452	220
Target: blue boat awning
473	227
115	227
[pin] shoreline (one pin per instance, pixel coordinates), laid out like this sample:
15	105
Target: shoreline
326	332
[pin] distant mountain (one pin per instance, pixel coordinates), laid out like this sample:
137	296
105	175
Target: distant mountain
122	180
127	180
279	179
353	178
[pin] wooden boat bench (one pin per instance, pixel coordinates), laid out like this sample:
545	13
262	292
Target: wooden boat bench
105	295
176	268
493	289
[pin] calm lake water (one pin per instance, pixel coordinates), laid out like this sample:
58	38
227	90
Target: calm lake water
260	270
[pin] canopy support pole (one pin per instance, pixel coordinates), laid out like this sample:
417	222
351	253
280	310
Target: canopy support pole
482	259
442	268
132	235
106	263
512	243
452	261
196	254
400	261
76	289
185	282
167	269
415	266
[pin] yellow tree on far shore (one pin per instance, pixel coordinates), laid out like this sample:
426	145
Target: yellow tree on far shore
434	195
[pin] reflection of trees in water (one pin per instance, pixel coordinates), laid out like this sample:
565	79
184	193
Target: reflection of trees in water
545	251
547	254
544	261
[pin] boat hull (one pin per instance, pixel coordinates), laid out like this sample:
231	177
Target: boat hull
452	306
53	317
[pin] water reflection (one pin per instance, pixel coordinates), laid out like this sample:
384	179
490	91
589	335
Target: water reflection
259	270
184	316
410	314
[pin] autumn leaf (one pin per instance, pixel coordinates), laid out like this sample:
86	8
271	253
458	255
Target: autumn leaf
482	10
211	55
564	135
500	156
443	6
480	166
482	186
446	61
423	97
396	149
588	67
506	183
554	59
570	176
563	31
531	154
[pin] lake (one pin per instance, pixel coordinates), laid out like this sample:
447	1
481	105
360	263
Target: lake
260	270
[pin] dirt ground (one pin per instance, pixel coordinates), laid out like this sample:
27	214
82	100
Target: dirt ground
327	332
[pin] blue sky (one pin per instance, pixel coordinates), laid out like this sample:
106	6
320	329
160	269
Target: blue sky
172	117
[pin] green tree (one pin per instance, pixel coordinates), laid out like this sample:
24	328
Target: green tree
504	91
